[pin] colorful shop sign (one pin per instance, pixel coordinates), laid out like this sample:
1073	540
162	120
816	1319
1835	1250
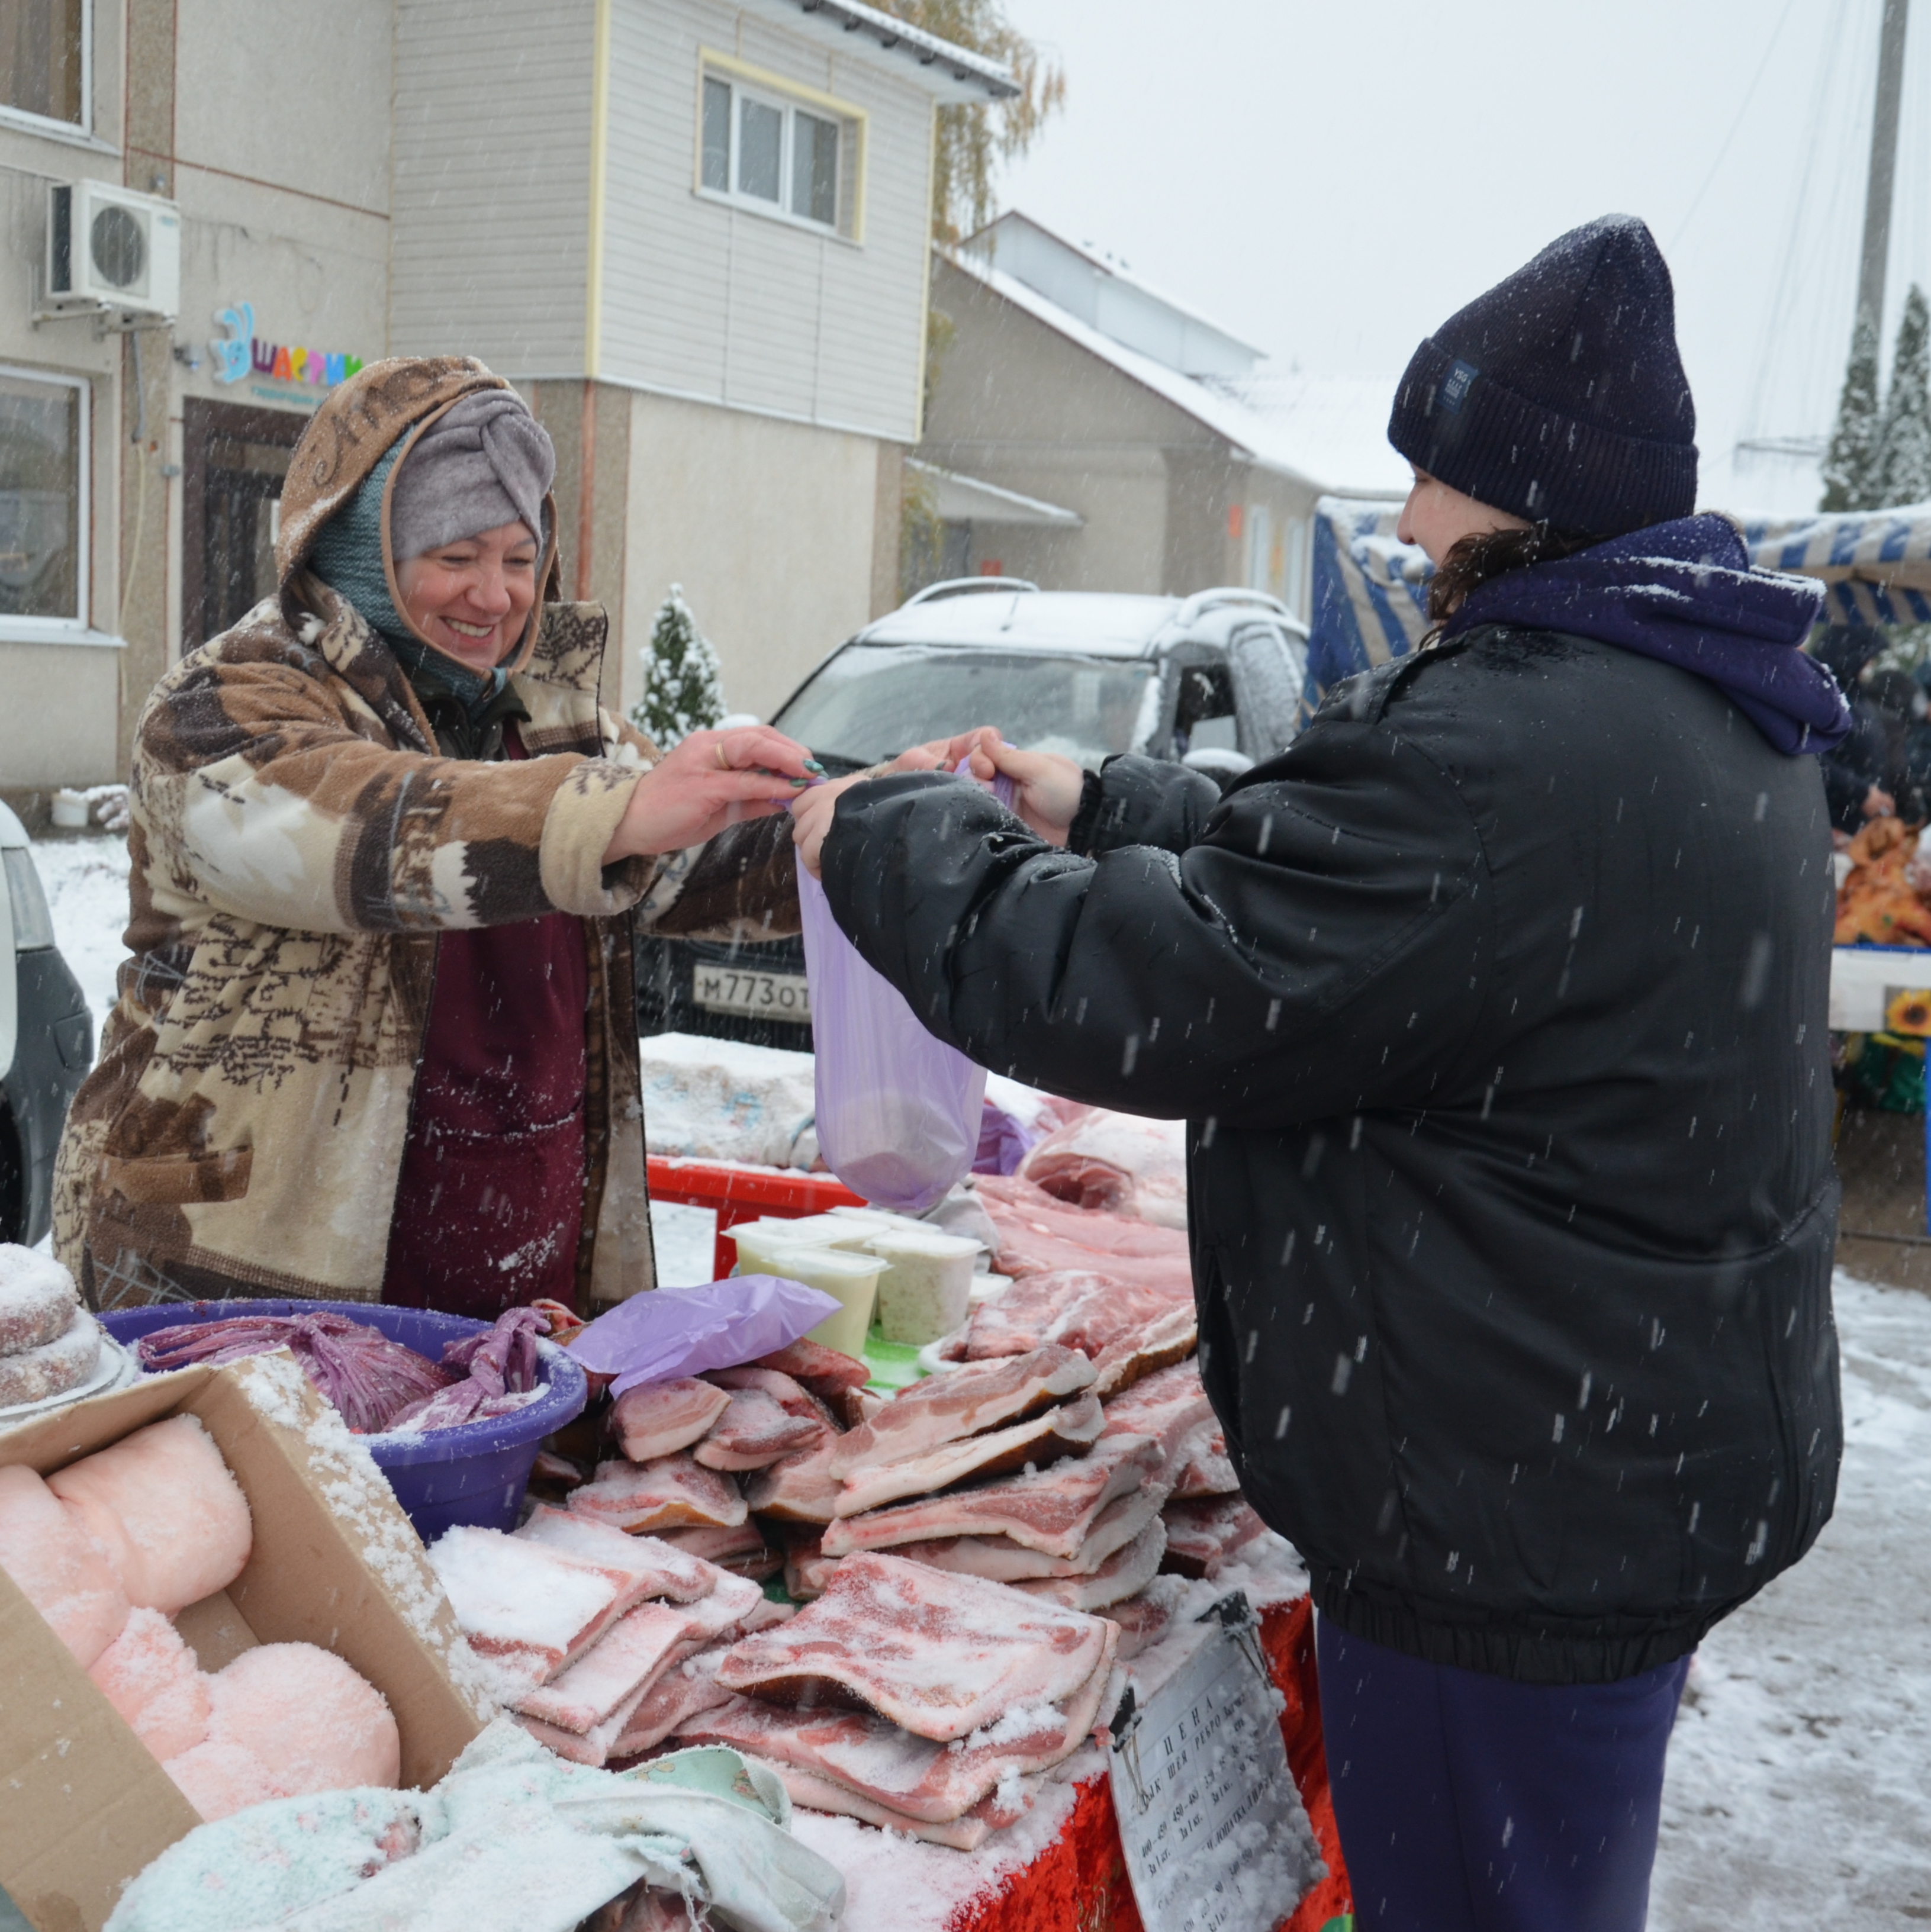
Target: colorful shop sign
241	353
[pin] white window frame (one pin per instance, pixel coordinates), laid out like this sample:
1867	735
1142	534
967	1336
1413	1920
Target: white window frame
76	629
790	99
83	129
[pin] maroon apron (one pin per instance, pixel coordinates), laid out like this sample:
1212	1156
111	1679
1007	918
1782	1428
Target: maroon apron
490	1202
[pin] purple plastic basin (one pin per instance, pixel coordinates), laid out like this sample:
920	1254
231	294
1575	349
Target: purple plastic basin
475	1473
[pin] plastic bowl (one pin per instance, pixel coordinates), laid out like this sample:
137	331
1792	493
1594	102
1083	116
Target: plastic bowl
475	1473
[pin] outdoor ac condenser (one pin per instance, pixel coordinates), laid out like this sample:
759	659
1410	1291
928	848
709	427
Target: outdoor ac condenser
112	247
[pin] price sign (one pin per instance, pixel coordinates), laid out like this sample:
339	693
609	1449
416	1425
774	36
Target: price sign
1215	1837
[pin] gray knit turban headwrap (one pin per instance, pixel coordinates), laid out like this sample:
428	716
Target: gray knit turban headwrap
485	462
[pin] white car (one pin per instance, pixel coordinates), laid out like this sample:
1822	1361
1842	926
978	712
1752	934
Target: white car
47	1040
1215	680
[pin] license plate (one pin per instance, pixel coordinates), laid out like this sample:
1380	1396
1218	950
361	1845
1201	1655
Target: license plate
727	989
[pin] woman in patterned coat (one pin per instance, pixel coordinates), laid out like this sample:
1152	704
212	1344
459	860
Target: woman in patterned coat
376	1037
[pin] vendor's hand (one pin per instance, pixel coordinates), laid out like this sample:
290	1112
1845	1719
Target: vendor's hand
1878	803
811	816
710	780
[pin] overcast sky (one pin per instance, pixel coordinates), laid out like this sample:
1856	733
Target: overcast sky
1330	181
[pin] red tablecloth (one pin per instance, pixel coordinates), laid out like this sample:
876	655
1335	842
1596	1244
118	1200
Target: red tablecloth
1079	1883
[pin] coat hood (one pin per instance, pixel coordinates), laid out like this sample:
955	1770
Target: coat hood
385	405
1683	593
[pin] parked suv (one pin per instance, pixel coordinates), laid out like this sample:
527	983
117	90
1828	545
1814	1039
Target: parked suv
1214	681
47	1040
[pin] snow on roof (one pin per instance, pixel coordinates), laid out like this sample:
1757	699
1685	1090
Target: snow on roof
1336	426
1101	289
1313	429
960	499
953	73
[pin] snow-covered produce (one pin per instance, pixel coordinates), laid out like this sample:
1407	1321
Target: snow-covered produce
1119	1162
108	1549
37	1299
49	1343
49	1549
162	1501
369	1379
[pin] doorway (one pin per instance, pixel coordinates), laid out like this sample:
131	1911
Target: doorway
234	461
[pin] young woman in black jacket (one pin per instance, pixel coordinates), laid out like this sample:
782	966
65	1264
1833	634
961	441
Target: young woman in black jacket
1495	1005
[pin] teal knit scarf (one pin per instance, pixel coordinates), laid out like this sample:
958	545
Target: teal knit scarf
347	557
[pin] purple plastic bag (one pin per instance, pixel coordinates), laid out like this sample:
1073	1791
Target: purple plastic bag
1003	1142
683	1331
899	1112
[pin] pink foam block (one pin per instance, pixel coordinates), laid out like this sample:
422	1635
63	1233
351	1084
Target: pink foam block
151	1677
313	1719
61	1568
219	1779
184	1527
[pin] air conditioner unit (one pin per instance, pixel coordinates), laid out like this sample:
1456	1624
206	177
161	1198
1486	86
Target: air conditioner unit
112	247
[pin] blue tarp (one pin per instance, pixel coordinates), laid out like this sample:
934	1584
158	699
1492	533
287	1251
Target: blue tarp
1371	590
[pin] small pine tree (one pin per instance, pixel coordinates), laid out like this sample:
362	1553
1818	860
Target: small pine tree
1850	466
683	681
1904	456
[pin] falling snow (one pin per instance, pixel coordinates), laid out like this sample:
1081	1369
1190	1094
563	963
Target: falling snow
1796	1795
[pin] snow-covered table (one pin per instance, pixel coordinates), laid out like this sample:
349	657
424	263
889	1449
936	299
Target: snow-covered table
1061	1869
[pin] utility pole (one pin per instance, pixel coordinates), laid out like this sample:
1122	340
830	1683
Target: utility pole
1884	165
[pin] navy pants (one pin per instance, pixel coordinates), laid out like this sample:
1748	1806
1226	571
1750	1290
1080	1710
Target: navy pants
1468	1803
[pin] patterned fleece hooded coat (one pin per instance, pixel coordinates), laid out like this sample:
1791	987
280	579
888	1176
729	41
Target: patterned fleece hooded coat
298	844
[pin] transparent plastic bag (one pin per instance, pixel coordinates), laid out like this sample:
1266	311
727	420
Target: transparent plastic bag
899	1112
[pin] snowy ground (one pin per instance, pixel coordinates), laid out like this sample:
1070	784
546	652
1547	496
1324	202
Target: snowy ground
1799	1791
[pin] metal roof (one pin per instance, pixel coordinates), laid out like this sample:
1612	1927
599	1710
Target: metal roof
953	73
966	500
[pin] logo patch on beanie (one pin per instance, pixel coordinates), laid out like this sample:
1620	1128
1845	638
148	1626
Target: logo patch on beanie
1454	385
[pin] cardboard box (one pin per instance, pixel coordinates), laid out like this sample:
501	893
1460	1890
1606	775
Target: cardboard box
83	1806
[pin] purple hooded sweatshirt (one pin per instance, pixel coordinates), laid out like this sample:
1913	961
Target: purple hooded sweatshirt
1684	593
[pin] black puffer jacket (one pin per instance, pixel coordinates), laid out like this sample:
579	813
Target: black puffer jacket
1497	1006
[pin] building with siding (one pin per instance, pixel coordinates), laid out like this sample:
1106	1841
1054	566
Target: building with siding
1137	445
693	232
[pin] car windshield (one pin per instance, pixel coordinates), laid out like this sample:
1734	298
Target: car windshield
869	702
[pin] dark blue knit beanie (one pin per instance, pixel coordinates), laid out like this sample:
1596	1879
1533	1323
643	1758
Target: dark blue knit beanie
1558	396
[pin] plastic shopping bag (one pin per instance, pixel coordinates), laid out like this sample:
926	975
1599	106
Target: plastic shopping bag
899	1112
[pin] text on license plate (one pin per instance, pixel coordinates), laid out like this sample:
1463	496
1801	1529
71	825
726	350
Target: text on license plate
725	989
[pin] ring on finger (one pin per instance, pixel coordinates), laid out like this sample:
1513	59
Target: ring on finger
723	757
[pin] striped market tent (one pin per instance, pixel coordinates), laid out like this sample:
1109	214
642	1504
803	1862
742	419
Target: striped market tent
1370	590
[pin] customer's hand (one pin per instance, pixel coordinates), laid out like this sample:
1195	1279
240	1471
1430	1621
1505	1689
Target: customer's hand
710	780
811	815
1878	803
1047	788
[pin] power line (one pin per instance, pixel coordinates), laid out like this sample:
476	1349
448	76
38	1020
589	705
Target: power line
1749	95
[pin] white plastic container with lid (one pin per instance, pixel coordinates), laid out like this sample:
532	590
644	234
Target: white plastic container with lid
853	1278
879	1220
759	1242
924	1293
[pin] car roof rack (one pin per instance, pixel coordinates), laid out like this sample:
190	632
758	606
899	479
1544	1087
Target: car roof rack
1204	600
964	586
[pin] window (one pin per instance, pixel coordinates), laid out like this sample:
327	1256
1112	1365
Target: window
43	59
764	151
869	702
43	504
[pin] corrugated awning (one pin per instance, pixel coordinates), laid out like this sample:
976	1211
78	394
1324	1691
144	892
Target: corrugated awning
966	500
